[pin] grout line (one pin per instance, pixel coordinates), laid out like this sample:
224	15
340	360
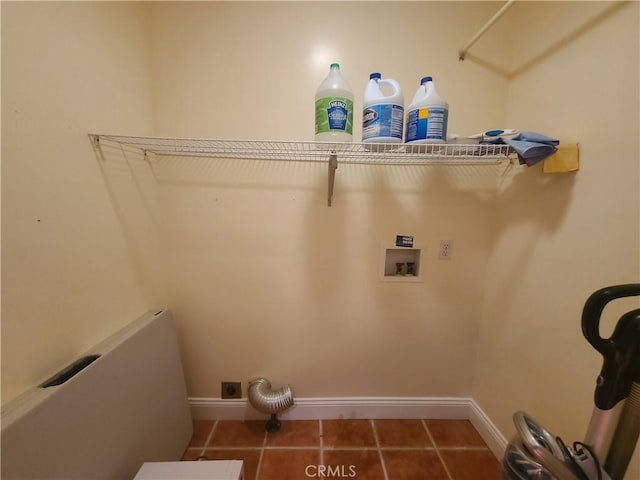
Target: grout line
330	448
209	437
321	439
444	465
262	449
340	448
405	449
471	448
375	436
351	449
291	447
259	466
239	447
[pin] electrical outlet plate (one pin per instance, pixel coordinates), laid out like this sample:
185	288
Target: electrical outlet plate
231	390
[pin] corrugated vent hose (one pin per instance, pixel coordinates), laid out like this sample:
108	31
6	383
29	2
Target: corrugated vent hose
266	400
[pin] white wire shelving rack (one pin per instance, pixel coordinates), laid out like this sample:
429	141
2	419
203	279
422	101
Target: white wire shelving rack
324	152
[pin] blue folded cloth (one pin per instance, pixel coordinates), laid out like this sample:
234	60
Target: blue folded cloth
531	147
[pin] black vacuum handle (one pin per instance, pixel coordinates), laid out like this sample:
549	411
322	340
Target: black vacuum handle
621	351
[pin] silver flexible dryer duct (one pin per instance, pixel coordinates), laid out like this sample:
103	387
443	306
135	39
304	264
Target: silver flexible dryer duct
269	401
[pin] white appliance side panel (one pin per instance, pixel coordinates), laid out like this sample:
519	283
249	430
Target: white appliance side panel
128	407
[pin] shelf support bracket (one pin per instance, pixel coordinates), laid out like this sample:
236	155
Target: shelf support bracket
95	143
333	165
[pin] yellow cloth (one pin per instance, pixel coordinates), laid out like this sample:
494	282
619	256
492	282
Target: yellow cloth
565	159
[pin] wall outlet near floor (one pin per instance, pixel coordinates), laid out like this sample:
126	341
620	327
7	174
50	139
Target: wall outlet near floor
231	390
446	249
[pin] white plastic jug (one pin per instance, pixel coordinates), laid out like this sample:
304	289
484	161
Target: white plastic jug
382	115
334	108
427	115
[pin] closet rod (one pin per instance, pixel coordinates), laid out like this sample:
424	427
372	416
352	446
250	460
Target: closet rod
463	52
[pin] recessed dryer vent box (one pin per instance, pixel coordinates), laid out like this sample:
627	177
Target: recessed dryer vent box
401	264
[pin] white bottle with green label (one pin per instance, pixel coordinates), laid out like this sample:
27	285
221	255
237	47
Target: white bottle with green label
334	108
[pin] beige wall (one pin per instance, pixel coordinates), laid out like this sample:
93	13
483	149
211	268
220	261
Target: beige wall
264	278
559	238
69	273
249	70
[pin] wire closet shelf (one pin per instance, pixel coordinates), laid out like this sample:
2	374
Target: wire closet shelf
358	153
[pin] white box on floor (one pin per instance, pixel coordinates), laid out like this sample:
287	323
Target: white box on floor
199	470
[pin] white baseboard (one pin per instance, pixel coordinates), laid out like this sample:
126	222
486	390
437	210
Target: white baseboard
493	437
361	407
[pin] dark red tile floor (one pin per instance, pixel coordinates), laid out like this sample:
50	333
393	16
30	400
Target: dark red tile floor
356	449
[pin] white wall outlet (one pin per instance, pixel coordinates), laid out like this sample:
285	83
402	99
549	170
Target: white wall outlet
446	249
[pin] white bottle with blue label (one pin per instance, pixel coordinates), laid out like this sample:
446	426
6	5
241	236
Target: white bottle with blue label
427	116
382	115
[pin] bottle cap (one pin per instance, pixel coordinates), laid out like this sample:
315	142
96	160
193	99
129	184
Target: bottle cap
374	75
425	80
335	65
